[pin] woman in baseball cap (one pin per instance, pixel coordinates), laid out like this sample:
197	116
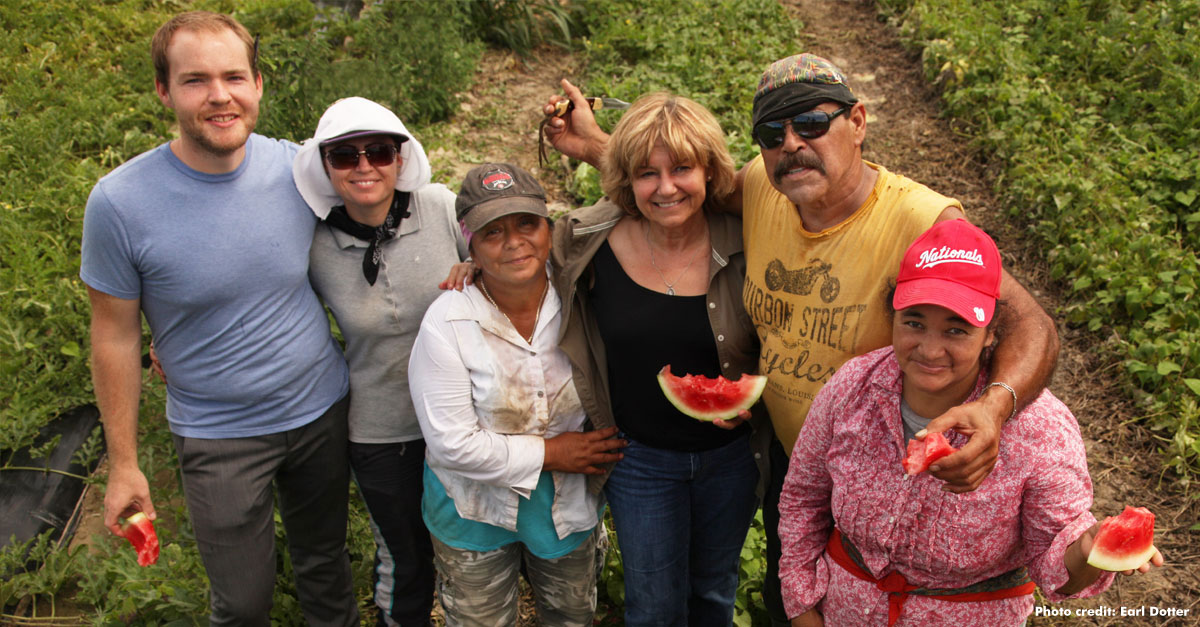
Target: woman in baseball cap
506	476
944	305
903	549
385	230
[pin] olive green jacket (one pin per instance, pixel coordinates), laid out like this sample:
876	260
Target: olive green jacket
577	237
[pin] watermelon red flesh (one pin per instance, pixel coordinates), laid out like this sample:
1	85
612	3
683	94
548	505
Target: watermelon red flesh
1125	542
140	532
922	453
708	399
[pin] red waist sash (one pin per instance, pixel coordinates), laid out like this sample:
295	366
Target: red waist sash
1014	583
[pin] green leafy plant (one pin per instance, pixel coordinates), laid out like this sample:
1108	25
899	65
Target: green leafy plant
76	102
521	25
1090	109
749	609
413	57
612	577
710	51
55	569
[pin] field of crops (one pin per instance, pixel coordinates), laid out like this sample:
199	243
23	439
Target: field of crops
1091	110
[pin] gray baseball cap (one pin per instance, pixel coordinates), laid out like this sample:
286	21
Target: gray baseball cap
494	190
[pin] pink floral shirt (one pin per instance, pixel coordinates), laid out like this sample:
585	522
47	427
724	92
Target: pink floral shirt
845	469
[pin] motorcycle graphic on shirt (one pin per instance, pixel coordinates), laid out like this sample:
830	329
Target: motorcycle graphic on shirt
801	281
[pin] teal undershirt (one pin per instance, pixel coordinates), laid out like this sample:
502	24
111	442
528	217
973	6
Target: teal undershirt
535	527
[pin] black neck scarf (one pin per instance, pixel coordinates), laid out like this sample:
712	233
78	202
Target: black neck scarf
340	220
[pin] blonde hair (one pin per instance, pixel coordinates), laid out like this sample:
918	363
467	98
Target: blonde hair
688	131
203	21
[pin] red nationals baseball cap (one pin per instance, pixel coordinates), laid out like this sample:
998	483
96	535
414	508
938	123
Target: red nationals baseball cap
953	265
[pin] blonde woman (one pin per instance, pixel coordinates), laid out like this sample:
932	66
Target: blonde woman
652	276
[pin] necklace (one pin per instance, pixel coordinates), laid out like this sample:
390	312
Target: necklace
536	317
670	284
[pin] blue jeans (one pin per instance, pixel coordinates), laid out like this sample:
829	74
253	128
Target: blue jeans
681	519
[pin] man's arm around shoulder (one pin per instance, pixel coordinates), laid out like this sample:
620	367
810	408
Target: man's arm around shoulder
117	377
733	202
1024	358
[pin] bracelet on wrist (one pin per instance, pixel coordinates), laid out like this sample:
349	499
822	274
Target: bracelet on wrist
1008	387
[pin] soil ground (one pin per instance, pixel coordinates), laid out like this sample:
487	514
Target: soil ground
499	120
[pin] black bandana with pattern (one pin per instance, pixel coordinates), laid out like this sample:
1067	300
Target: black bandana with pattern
374	235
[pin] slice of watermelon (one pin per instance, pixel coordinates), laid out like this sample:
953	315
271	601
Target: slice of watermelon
922	453
140	532
1125	542
708	399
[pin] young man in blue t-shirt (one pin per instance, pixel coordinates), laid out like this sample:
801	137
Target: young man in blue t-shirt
208	237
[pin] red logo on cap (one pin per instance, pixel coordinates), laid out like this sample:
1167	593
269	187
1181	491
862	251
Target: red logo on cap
496	181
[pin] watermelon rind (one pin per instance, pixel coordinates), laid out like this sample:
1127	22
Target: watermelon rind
1105	561
1124	542
750	386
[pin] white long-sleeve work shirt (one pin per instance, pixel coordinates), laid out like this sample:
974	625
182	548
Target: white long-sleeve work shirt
486	401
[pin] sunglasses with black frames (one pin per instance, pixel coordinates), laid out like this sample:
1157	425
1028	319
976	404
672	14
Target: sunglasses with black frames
346	157
809	125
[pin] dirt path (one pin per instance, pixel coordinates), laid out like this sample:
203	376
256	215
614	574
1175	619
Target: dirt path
499	117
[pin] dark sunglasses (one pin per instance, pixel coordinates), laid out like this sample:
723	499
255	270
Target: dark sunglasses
346	157
809	125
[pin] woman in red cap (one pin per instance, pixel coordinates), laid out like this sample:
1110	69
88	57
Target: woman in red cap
865	543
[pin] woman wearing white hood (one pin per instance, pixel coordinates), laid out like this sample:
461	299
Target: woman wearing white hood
386	236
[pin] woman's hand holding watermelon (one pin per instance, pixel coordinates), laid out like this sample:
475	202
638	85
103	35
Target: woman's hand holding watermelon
1122	543
735	422
1084	544
1083	573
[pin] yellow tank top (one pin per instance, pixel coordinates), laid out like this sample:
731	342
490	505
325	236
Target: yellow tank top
818	299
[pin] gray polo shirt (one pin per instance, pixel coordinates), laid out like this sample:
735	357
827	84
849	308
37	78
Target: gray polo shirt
380	322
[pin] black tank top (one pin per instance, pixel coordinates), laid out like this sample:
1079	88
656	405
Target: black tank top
643	331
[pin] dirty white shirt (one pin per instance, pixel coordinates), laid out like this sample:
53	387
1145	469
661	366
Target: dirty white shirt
486	401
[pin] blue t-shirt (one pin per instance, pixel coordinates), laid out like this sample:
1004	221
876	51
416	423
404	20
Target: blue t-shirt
220	263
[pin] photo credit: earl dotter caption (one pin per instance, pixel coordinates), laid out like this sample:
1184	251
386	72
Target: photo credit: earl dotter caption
1104	610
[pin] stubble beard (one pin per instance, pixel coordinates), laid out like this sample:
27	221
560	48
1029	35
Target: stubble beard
198	136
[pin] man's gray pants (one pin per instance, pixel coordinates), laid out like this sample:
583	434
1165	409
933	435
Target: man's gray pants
231	484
